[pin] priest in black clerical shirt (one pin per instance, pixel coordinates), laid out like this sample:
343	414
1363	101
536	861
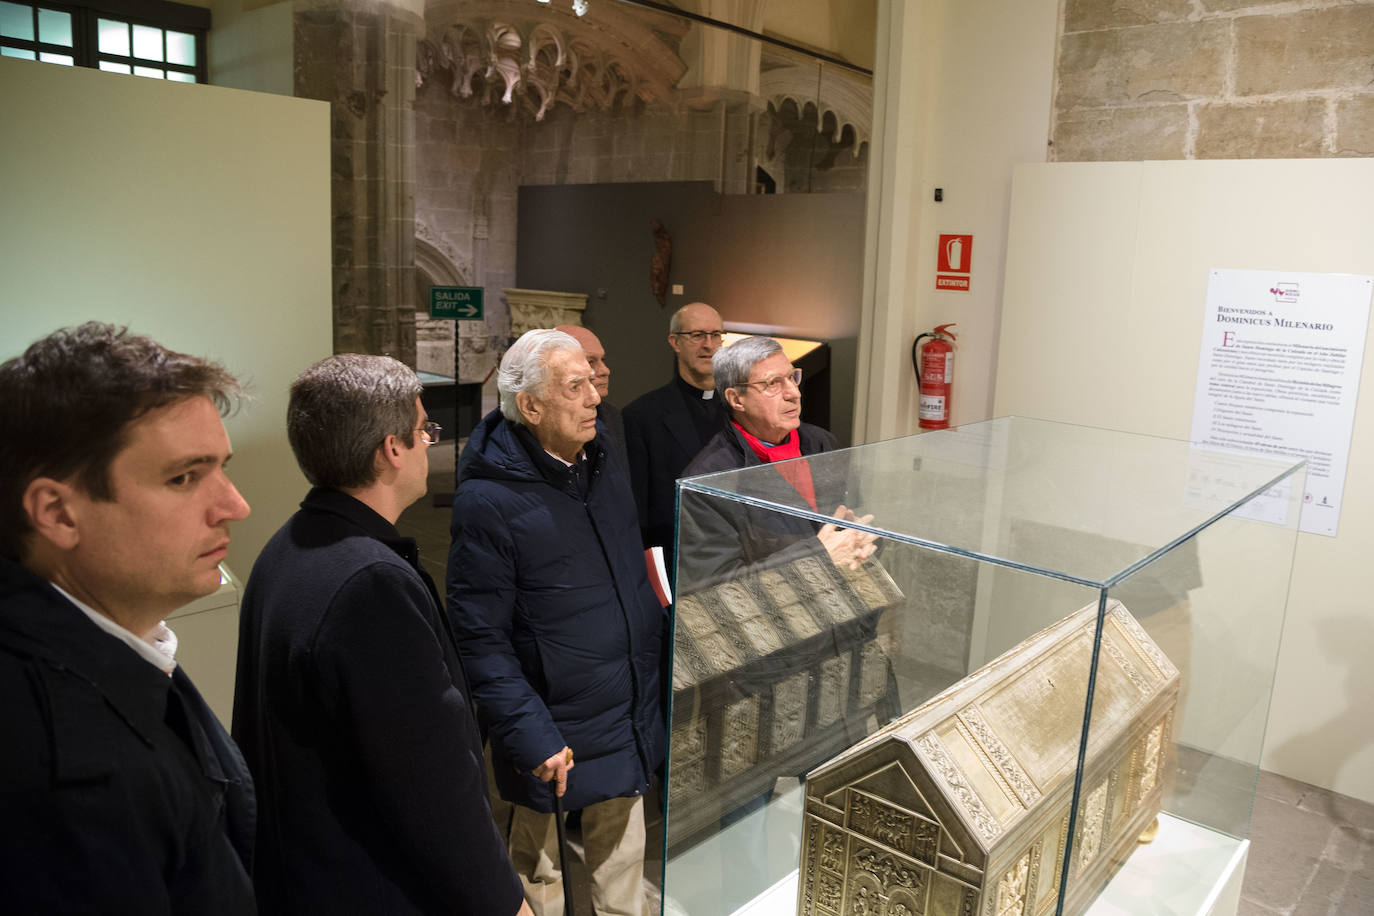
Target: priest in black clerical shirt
665	428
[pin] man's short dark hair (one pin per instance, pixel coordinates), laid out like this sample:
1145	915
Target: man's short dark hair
66	405
342	409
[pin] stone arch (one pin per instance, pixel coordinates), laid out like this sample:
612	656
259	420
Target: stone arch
434	340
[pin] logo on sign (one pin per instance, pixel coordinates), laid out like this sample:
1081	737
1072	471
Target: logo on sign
954	261
1285	292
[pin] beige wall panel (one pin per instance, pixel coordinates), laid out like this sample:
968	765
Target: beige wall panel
195	214
1106	282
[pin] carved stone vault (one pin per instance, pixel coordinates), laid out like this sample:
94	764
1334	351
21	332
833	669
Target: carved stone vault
529	56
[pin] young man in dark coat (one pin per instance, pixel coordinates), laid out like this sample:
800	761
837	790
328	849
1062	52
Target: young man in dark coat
119	790
665	428
760	387
558	626
350	703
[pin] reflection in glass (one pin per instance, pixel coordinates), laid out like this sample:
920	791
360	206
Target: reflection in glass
179	77
16	22
113	39
154	72
181	48
49	58
147	42
18	53
112	67
55	27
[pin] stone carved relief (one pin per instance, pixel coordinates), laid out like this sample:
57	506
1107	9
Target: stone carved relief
846	97
1094	819
834	689
739	745
1011	890
515	54
1149	768
942	764
888	871
1005	763
789	711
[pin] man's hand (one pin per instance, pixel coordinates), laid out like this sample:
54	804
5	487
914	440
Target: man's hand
556	767
846	546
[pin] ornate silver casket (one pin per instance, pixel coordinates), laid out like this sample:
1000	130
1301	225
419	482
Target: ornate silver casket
961	807
774	672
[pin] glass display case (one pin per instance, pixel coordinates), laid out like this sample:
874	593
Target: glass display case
1045	690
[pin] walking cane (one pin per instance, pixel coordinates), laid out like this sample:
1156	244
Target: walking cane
563	845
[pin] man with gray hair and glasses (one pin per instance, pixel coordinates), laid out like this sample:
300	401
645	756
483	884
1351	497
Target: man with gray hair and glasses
350	704
558	626
761	388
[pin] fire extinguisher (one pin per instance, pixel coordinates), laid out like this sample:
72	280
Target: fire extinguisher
934	365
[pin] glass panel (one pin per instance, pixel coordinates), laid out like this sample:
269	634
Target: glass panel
16	21
113	38
177	76
147	42
181	48
57	59
155	72
55	27
1029	577
112	67
19	53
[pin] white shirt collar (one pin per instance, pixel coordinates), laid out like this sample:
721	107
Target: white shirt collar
159	647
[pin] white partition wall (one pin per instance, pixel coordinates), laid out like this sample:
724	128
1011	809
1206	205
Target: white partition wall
1106	282
195	214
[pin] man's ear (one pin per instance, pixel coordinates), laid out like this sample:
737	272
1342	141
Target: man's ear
732	399
674	343
529	408
389	453
52	510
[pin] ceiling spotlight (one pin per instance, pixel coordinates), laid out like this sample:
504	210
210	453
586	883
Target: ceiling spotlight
580	7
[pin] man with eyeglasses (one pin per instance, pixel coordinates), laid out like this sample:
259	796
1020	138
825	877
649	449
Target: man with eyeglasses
350	704
665	428
761	388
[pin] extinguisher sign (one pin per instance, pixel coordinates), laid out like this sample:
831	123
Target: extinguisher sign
955	259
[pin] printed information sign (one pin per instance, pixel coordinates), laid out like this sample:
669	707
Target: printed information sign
1279	372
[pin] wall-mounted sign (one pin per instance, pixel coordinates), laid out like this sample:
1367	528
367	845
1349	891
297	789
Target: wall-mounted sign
954	262
460	302
1279	371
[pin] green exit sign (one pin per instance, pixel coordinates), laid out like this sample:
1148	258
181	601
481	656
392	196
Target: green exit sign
463	302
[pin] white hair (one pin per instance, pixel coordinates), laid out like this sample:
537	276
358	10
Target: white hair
731	365
525	367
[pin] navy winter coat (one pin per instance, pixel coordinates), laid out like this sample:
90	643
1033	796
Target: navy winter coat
559	630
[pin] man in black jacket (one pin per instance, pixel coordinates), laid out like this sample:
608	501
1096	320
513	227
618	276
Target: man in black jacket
665	428
761	388
119	790
350	703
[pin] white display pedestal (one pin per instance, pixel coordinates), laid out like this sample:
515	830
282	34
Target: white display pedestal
1187	870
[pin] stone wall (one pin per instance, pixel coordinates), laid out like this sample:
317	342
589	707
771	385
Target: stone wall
360	58
1214	79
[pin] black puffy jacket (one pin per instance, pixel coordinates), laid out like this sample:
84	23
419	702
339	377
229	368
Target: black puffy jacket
560	633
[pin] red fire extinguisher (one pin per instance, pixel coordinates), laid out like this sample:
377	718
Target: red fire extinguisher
934	365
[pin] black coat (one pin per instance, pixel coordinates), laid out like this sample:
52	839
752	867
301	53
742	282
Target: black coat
661	440
559	629
729	537
351	709
119	790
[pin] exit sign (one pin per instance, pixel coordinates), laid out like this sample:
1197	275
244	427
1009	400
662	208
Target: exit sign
462	302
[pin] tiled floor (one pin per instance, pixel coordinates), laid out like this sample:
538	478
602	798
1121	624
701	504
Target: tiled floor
1312	851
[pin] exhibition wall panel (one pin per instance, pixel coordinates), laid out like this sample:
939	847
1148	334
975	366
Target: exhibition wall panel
1106	284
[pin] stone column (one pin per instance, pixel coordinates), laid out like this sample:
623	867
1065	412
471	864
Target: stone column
360	57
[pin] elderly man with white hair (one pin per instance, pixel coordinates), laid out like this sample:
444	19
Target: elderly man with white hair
559	630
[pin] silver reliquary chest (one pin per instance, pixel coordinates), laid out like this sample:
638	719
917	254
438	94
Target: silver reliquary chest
961	807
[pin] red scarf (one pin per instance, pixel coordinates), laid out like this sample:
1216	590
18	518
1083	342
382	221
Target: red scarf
798	473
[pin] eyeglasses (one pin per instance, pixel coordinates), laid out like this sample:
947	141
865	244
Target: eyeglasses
697	337
429	431
772	387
